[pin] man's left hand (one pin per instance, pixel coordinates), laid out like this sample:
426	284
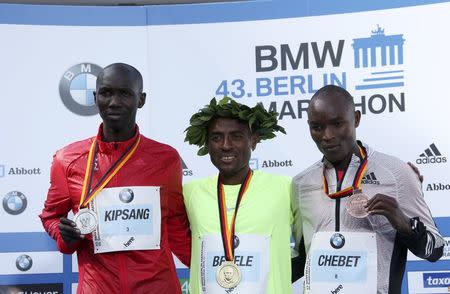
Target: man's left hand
388	206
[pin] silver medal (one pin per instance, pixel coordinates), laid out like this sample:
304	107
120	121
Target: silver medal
86	221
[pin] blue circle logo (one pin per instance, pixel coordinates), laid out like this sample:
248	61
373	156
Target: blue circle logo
337	241
126	195
24	262
14	202
77	86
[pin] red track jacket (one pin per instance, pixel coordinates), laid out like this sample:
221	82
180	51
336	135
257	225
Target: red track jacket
141	271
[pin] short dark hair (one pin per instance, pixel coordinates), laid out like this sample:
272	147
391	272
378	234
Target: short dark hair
126	68
334	91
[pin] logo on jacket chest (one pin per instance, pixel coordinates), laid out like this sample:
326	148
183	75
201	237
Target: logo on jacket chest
370	179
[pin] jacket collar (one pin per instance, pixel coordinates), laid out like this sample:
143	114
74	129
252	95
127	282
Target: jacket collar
120	146
354	161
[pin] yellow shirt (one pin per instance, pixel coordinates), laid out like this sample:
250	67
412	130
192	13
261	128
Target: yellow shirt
264	210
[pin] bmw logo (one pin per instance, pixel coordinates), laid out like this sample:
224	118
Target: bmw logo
126	195
24	262
14	202
337	241
76	88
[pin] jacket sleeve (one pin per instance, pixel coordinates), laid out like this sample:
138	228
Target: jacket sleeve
179	232
425	240
57	205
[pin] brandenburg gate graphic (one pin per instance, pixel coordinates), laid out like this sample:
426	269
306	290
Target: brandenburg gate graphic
362	47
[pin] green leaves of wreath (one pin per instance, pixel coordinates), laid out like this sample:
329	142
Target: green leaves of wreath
261	122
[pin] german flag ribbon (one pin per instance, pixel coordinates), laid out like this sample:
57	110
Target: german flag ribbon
228	232
356	181
87	194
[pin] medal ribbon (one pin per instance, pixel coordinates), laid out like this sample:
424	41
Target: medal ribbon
356	181
228	232
86	193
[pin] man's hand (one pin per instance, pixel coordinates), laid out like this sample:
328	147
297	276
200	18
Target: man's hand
388	206
416	170
68	231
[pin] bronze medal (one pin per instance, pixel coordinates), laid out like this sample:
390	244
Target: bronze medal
356	205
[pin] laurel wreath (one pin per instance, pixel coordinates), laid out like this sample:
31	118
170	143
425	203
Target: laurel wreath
260	121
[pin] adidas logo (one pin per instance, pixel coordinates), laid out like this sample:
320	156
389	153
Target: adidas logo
431	155
370	179
186	170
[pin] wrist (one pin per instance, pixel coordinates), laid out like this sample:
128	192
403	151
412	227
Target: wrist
410	226
406	228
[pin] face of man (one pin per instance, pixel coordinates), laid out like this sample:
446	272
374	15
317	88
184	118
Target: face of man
230	144
332	125
118	96
228	273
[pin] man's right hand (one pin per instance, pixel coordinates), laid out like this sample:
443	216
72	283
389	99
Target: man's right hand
69	231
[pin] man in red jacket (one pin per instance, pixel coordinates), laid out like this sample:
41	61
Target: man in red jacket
125	192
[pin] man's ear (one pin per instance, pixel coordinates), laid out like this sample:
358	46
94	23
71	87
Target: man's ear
142	100
255	139
357	118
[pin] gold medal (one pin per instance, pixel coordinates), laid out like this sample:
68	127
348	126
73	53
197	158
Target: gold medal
228	275
86	221
356	204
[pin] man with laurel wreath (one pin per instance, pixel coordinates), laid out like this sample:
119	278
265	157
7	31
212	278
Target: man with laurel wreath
240	219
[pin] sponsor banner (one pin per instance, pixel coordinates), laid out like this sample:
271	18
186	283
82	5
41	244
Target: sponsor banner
431	155
19	171
20	207
378	64
257	163
429	282
22	263
385	62
32	289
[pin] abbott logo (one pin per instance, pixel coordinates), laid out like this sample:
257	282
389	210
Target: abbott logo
277	163
438	187
431	155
